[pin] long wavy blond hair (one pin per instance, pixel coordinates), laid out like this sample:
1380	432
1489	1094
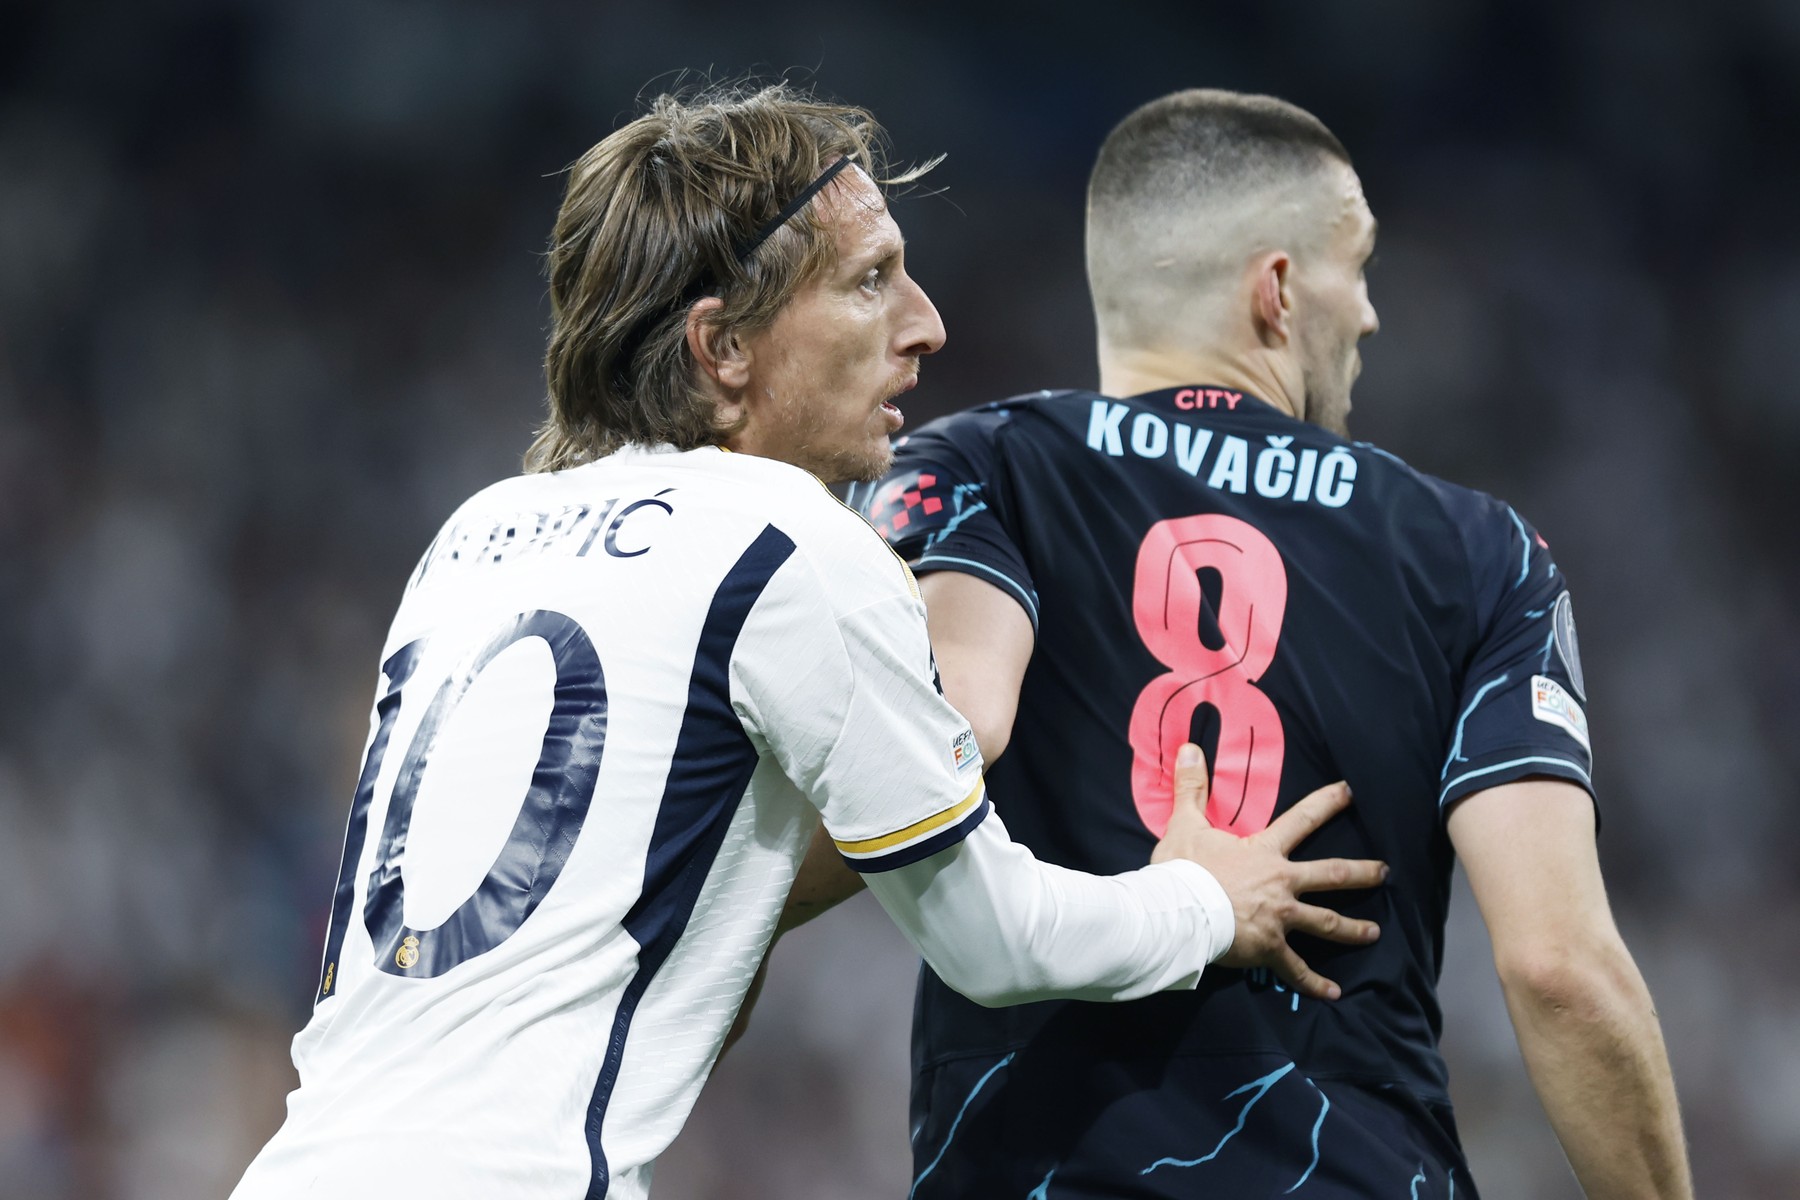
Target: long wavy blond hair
653	218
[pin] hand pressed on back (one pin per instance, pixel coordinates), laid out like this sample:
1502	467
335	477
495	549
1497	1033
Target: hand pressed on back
1263	883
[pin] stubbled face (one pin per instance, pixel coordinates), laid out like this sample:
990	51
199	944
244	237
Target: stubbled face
824	377
1332	290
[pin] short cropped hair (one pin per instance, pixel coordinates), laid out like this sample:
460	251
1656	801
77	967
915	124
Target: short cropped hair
653	218
1196	176
1206	144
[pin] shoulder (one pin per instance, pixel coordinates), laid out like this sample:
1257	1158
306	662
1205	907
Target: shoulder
950	468
510	492
1495	545
981	429
1468	511
965	449
839	552
487	510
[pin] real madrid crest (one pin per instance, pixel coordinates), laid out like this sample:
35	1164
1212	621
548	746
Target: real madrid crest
408	953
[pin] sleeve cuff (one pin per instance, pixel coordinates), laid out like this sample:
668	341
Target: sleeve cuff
1465	778
1215	905
1027	598
920	840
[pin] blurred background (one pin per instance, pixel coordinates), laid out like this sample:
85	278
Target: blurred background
270	305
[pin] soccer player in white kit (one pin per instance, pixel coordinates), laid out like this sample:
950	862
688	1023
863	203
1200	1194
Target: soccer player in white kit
623	690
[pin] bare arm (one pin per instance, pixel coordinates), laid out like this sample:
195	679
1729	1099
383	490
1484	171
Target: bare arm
1001	927
1583	1016
982	640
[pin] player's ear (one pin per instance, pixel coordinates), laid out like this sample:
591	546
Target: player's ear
719	351
1272	298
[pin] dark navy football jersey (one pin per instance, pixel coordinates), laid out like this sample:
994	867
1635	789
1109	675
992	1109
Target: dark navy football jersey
1200	566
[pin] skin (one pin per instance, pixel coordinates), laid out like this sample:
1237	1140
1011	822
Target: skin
1265	888
1289	328
1582	1014
982	641
1579	1006
817	387
1584	1019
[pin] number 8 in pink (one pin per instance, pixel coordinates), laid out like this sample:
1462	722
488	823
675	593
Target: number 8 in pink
1166	603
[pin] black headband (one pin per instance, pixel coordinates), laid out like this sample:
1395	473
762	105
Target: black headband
628	348
746	249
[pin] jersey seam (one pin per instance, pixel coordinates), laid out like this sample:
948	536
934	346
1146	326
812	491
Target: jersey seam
1003	431
1544	760
1478	627
1026	597
912	584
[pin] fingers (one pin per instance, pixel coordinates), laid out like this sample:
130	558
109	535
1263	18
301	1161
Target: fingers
1302	978
1330	874
1192	783
1301	821
1331	925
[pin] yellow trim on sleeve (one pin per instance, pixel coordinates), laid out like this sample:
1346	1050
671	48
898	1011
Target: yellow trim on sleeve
917	829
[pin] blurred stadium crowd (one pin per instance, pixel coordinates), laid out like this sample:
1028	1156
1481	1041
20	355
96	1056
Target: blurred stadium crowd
270	306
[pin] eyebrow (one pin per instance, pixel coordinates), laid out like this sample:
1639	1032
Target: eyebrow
881	254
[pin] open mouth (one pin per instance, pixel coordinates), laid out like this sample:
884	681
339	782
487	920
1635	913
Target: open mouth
889	409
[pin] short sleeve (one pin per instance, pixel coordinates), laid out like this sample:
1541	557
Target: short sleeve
1520	712
938	509
848	704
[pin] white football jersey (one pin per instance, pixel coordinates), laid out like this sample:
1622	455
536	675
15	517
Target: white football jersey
610	704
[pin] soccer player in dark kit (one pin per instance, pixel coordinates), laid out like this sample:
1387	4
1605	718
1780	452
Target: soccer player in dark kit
1197	551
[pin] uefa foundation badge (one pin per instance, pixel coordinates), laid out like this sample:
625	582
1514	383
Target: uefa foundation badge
963	751
1553	705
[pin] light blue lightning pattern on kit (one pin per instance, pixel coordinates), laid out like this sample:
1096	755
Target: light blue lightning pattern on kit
942	1150
1261	1087
1548	643
1525	556
1042	1190
1456	746
1324	1107
960	495
1416	1181
1535	613
1452	1178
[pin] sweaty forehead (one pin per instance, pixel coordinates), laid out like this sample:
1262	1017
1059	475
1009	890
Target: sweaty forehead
857	213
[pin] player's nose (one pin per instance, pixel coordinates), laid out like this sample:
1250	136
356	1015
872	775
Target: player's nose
921	328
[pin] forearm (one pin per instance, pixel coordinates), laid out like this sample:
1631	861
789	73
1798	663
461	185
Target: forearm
1594	1049
1002	927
